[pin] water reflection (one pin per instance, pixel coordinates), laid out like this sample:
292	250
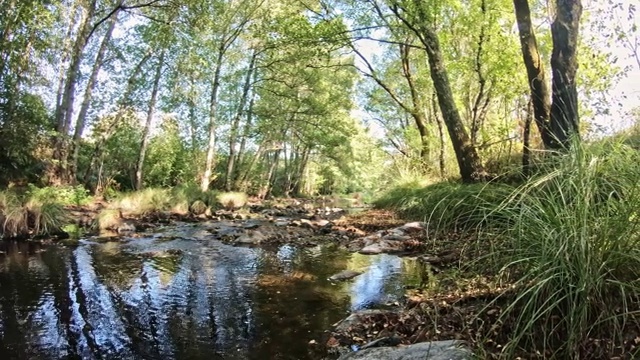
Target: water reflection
176	298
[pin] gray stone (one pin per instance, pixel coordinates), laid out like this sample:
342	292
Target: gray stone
435	350
384	246
125	227
413	227
345	275
251	237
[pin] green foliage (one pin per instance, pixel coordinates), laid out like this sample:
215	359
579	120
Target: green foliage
64	195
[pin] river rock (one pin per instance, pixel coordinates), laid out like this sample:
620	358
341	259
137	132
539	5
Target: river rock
384	246
251	237
125	228
345	275
435	350
413	227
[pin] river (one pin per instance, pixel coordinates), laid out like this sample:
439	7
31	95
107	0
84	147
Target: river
179	294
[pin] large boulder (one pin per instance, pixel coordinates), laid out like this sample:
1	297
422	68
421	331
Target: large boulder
435	350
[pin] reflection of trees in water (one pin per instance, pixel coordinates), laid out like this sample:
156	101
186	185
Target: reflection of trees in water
296	309
380	283
105	301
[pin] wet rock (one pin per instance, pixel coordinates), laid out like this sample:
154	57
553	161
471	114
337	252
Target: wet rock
344	275
384	246
251	237
281	223
198	207
251	225
435	350
208	212
413	227
125	228
239	216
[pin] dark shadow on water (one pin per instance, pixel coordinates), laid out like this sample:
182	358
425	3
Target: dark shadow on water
183	298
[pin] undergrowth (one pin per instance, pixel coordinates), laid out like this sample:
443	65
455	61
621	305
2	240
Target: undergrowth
567	240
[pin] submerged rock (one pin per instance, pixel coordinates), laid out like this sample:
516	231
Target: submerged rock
435	350
345	275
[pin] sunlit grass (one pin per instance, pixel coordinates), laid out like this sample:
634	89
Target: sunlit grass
567	240
30	213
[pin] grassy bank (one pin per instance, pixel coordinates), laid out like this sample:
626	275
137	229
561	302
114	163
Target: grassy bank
568	241
31	211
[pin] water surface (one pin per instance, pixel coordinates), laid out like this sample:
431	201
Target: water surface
180	294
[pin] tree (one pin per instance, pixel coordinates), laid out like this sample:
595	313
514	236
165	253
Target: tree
557	117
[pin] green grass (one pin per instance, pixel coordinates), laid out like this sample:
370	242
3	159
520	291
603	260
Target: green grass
574	251
30	213
446	206
568	241
177	200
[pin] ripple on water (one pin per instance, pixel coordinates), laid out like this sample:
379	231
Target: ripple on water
173	297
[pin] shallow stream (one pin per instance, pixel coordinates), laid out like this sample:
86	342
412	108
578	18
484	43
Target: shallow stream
179	294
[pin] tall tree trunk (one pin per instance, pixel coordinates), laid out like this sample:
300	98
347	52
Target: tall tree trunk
64	111
483	98
240	156
565	119
471	168
228	182
147	125
540	92
213	107
86	102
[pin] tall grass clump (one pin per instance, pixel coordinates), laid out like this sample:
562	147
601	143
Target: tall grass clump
447	206
30	213
573	254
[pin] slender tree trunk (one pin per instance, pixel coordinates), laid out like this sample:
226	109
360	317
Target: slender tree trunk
417	113
471	168
64	112
540	92
438	122
125	99
228	183
66	54
241	155
526	140
483	98
86	102
147	125
213	106
243	179
565	121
